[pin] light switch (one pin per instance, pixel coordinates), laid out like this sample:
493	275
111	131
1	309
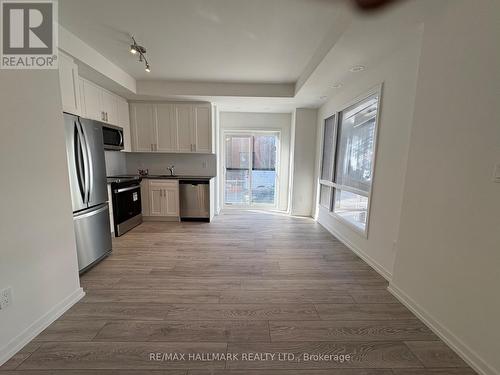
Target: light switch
496	173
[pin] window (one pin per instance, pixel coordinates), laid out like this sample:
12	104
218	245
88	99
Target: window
347	162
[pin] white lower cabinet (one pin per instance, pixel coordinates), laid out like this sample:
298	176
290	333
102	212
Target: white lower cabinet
162	199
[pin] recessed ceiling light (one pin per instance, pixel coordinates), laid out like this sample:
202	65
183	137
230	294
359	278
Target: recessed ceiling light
337	85
357	68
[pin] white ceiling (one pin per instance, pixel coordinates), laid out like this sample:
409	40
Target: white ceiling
244	55
204	40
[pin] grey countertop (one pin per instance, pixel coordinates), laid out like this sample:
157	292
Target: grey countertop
161	177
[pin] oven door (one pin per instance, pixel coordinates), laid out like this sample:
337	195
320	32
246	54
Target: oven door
126	204
113	137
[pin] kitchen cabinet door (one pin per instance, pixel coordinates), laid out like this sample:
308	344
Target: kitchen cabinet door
143	127
145	197
109	107
92	95
124	122
156	199
202	129
171	199
83	111
69	83
184	122
166	128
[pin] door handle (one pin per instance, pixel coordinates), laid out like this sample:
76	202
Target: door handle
86	169
126	189
90	175
91	213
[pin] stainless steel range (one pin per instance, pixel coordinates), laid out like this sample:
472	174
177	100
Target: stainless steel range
127	207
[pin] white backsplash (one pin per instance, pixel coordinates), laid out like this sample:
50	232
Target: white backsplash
115	163
120	163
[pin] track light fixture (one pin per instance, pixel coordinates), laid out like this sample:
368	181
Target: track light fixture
137	49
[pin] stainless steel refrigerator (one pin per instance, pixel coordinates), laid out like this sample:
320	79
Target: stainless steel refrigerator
89	195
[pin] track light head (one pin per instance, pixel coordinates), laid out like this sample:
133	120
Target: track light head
141	51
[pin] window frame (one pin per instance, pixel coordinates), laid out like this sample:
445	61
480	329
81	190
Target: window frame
252	133
375	91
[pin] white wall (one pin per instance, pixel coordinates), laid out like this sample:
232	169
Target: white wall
398	74
303	155
261	121
37	252
77	48
448	261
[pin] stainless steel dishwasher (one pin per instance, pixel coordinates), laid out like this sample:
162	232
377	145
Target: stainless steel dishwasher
194	198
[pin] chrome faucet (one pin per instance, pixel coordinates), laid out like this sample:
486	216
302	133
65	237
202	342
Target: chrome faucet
172	170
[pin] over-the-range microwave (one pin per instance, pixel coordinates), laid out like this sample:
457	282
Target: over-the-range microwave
113	137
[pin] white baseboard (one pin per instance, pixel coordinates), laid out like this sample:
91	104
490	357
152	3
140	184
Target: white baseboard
466	353
382	271
18	342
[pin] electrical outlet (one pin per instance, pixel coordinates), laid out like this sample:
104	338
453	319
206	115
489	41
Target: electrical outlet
5	298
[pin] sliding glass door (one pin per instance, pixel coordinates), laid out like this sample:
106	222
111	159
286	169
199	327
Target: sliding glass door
251	169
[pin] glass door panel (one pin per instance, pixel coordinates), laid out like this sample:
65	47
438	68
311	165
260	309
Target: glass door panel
264	169
251	169
237	169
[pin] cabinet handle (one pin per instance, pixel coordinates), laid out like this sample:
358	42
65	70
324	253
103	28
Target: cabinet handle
106	116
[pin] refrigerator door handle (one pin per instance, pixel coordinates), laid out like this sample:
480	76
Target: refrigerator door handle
86	165
91	213
78	155
90	172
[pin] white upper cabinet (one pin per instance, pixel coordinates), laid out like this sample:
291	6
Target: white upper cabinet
84	98
83	112
202	129
143	127
124	122
171	127
109	107
92	99
166	128
184	122
99	104
69	82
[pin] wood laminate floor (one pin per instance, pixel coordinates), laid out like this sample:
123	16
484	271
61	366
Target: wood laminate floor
247	283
